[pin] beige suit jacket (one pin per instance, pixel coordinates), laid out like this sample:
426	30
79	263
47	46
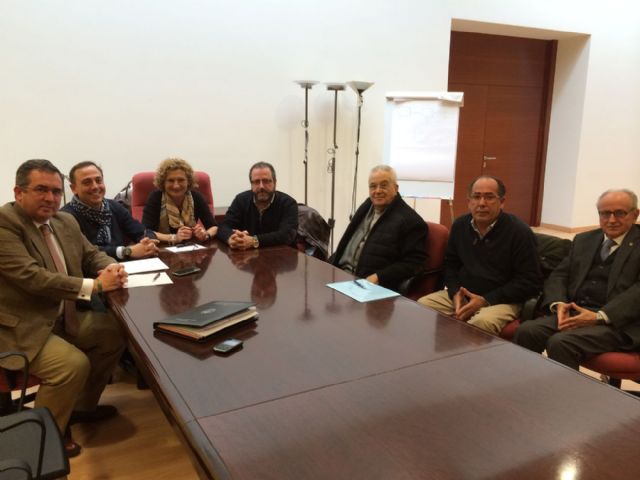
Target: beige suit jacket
30	287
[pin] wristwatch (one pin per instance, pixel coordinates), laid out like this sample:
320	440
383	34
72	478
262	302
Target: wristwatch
126	253
256	242
600	318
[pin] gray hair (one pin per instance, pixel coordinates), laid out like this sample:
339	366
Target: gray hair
387	169
632	196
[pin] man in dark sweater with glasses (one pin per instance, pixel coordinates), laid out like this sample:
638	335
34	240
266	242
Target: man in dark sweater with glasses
262	216
491	265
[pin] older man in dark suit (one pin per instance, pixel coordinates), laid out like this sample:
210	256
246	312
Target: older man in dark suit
46	270
593	294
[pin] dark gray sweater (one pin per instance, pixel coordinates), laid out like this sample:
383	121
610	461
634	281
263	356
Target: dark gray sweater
503	266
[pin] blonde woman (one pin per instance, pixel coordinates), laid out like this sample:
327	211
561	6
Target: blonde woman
173	211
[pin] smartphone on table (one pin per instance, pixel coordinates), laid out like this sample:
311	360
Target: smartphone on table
227	346
186	271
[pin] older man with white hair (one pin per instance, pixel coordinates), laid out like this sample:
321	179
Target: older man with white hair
592	296
385	241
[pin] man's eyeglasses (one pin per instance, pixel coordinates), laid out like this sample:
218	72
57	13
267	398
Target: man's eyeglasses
606	214
488	197
266	181
41	190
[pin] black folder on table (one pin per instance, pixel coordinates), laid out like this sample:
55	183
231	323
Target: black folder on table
205	320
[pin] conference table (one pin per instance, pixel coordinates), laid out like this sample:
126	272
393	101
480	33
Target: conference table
327	387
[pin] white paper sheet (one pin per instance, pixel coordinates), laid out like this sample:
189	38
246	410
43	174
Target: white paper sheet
147	280
185	248
145	265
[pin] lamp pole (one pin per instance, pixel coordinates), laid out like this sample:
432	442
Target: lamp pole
335	87
359	88
307	85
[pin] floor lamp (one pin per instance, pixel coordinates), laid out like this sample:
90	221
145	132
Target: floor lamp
335	88
359	88
307	85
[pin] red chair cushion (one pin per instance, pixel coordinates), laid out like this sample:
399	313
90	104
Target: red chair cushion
17	380
509	330
616	364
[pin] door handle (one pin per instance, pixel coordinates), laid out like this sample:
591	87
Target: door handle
485	158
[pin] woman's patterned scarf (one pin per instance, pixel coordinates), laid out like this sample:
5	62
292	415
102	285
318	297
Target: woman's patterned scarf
171	217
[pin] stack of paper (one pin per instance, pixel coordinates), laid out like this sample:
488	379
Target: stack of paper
363	290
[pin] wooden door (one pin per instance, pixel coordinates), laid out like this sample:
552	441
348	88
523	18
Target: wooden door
504	121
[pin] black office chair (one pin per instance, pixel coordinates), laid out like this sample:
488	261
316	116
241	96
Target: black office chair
31	446
30	443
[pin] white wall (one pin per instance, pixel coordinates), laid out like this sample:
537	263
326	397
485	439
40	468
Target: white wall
563	150
128	83
610	146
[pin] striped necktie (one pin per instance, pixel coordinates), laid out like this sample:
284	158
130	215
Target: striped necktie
71	323
605	251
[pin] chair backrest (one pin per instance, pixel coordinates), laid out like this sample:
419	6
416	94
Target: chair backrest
430	280
204	187
436	245
142	186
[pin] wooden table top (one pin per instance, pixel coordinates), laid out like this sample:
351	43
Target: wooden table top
326	387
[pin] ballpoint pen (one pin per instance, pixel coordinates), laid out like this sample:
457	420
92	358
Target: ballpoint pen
359	284
156	276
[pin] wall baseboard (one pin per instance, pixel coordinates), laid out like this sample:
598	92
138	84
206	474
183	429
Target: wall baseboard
562	228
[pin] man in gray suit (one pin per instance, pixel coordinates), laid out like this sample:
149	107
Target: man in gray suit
46	278
593	294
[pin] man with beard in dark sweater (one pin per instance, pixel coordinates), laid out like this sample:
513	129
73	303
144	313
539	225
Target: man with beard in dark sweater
262	216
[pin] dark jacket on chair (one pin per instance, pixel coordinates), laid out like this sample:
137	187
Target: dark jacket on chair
395	248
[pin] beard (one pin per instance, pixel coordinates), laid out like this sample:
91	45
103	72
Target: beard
263	195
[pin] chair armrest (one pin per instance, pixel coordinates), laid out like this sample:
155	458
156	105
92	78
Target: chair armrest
417	286
16	464
530	308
